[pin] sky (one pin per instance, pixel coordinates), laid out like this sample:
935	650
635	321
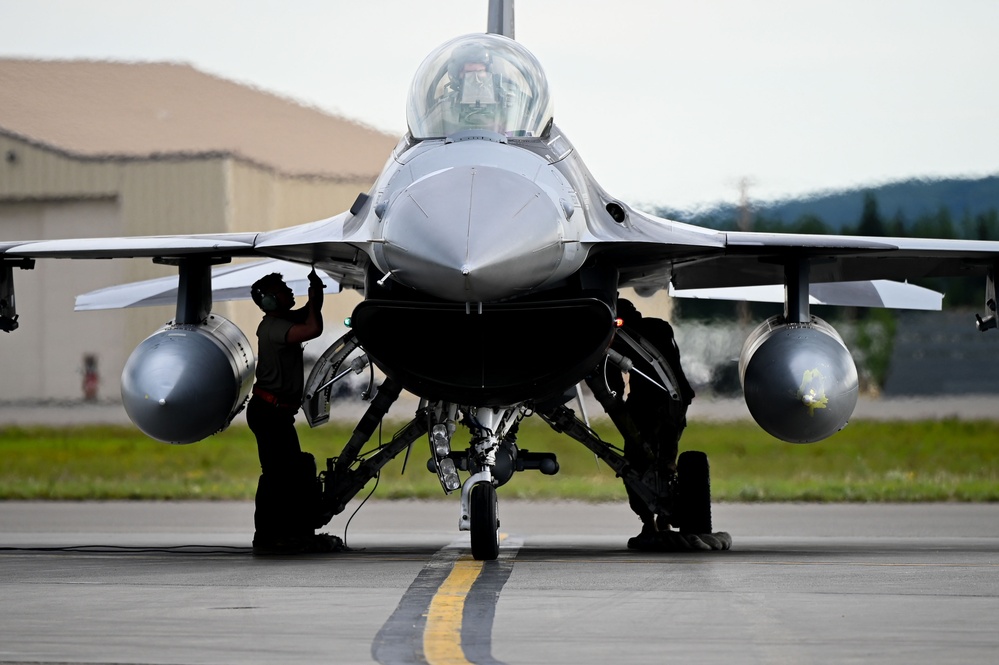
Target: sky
672	103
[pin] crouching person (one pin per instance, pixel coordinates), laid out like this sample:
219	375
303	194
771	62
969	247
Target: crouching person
659	420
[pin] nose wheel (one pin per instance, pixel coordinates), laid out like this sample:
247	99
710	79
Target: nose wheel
484	516
483	520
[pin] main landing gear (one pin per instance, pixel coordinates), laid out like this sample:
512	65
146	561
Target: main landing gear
490	459
692	507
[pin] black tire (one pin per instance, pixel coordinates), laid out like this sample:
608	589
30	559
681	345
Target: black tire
694	479
484	521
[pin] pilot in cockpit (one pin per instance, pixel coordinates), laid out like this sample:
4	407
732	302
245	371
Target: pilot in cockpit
479	82
476	93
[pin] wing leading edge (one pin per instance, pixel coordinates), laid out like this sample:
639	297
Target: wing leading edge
325	244
639	248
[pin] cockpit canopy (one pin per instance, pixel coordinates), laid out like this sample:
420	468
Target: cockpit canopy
479	81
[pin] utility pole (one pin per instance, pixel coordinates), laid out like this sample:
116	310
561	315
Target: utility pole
745	219
744	222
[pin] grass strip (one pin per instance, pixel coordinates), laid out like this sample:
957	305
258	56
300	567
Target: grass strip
947	460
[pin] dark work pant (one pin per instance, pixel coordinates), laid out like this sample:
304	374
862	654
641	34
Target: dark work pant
288	495
277	440
660	432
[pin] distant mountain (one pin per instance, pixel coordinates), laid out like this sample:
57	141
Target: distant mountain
911	198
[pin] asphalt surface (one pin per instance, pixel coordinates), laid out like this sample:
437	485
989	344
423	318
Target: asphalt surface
967	407
176	583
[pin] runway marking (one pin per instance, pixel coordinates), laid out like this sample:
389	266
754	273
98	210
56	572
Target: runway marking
442	634
446	615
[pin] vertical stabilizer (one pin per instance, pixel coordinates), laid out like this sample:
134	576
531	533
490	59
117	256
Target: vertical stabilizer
501	18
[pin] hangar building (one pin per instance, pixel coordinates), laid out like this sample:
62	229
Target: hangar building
92	149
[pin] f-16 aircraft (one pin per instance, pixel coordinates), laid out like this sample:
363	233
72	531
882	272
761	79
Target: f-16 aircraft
490	262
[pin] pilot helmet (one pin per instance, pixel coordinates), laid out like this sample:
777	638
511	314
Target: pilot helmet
465	54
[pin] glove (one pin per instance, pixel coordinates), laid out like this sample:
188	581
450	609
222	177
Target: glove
314	281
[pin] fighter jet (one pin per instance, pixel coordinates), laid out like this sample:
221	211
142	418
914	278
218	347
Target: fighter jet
490	263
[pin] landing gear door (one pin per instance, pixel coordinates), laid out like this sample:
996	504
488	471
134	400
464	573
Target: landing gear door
328	370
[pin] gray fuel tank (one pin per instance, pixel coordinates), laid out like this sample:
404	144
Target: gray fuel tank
799	379
186	382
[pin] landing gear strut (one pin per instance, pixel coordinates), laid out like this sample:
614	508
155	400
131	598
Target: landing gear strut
490	427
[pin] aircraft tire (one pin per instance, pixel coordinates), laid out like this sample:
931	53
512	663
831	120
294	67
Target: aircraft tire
694	478
484	521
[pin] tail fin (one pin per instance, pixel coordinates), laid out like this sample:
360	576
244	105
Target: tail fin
501	18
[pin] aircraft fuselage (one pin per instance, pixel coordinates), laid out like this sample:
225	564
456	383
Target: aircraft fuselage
477	218
476	292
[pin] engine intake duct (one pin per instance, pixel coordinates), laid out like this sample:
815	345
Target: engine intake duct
488	355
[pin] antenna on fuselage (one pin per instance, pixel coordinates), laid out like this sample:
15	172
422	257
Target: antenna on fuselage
500	18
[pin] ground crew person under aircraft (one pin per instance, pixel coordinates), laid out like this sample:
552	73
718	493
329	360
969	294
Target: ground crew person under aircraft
659	419
289	498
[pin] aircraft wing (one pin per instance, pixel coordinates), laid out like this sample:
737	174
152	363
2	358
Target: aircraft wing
873	293
332	245
640	249
755	258
224	244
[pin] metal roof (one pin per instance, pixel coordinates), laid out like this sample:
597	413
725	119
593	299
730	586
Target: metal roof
155	110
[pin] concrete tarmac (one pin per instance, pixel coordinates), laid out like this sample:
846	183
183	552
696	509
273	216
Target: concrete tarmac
176	583
704	408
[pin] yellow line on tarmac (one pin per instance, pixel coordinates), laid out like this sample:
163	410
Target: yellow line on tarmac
442	635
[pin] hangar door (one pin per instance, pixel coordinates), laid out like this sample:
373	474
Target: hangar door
44	358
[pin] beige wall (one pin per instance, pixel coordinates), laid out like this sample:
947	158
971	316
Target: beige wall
659	305
44	195
153	198
36	173
264	201
43	358
260	200
167	198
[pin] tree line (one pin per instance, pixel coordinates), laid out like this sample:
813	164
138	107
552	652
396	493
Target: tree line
872	222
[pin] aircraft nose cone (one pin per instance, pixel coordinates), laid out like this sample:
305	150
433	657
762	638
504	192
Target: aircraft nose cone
473	234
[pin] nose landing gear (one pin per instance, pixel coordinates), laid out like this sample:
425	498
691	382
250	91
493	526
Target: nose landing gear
479	504
480	515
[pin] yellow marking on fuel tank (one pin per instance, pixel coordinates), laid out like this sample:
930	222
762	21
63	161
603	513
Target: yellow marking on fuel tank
812	391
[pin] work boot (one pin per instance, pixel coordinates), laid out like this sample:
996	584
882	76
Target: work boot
645	540
319	543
